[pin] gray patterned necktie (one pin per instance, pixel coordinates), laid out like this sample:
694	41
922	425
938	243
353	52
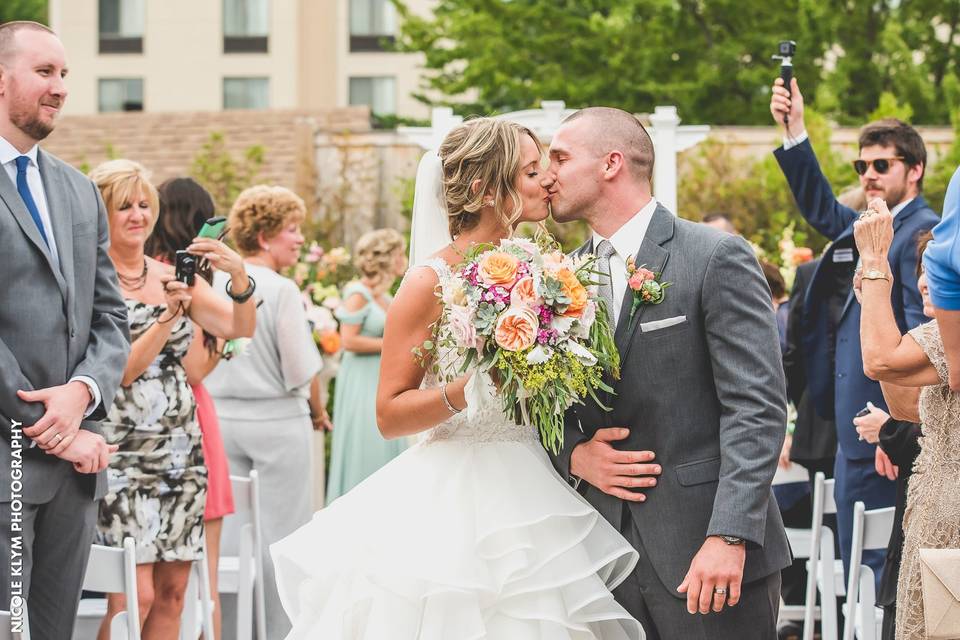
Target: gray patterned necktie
605	290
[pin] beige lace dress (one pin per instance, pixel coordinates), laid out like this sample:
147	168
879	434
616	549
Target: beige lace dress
932	516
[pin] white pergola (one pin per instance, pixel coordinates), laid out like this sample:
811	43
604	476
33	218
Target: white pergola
669	138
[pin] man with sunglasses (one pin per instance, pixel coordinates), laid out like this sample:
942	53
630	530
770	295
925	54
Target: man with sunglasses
890	165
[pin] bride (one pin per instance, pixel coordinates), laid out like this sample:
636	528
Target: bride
470	534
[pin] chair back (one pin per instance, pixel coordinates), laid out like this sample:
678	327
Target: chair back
821	569
871	530
112	570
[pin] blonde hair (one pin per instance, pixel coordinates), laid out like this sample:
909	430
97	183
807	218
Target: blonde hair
263	209
485	151
375	252
120	182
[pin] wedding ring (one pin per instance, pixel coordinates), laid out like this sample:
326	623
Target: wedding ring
58	437
720	591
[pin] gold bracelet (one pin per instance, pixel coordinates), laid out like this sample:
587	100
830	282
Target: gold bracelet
874	274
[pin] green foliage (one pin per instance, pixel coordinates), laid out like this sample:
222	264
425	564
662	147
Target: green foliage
221	174
935	181
711	58
35	10
755	194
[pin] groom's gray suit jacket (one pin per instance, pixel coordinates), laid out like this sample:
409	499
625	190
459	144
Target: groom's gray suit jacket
706	394
56	323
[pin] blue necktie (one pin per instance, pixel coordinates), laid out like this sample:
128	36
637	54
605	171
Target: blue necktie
24	190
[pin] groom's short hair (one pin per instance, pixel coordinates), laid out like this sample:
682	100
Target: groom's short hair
616	130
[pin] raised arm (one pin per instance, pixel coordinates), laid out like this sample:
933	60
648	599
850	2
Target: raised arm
810	187
887	354
402	407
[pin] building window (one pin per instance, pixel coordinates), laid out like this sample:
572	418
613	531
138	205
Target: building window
372	23
121	26
120	94
245	26
380	94
246	93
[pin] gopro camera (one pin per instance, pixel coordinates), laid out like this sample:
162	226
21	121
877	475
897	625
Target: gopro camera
786	49
186	267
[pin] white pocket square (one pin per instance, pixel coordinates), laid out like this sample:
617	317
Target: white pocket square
656	325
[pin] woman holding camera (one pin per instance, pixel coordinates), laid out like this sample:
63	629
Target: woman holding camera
157	479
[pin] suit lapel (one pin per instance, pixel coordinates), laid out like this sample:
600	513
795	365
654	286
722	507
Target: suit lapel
60	219
653	256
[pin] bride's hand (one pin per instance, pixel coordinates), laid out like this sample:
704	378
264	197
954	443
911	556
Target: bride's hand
456	391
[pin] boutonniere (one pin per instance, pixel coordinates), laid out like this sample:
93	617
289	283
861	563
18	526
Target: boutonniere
645	285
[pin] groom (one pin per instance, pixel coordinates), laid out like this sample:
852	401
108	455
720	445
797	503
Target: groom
683	463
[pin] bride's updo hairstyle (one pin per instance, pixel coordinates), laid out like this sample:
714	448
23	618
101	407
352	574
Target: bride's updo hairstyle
485	151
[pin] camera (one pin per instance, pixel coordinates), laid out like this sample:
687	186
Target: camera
786	49
186	267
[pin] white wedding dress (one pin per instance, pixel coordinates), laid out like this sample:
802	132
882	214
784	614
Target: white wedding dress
470	534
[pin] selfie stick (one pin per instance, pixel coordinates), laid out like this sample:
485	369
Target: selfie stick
786	70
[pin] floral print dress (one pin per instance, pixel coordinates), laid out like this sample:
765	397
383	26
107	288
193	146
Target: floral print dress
157	478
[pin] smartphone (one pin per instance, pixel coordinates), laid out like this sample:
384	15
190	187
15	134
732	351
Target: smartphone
863	412
186	267
213	227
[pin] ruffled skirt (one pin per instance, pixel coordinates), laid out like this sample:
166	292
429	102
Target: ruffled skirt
456	540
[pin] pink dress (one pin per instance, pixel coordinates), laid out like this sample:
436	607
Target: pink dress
219	492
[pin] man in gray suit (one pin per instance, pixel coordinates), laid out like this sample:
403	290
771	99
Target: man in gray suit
63	342
683	462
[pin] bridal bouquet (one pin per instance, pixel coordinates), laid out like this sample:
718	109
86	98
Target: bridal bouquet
530	316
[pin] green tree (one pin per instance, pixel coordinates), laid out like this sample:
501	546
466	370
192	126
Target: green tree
711	58
221	174
35	10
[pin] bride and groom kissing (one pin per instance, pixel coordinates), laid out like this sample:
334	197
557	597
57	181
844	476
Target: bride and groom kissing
667	527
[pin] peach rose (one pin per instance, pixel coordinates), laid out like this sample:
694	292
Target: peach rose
801	255
516	329
330	342
639	277
573	290
524	293
498	267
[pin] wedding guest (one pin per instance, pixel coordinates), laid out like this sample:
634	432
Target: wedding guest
157	480
932	515
898	435
358	447
891	163
781	303
184	207
720	221
262	397
942	261
63	341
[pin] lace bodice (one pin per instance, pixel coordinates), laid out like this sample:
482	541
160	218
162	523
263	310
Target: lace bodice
939	410
483	421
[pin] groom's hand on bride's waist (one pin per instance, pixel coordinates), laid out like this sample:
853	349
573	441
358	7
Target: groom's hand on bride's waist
618	473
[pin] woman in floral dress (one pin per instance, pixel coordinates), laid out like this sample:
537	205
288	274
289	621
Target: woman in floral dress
157	479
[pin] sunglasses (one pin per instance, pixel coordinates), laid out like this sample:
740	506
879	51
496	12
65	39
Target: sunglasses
880	165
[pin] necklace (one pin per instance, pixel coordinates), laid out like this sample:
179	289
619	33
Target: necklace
133	283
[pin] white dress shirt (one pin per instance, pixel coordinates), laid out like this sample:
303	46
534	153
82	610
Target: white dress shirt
626	242
8	158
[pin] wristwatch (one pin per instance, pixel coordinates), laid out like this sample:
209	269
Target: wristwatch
731	539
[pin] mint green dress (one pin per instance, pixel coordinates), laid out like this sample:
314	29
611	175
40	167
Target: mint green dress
358	448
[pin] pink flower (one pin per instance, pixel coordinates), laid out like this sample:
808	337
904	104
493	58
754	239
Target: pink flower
461	326
639	277
516	329
524	293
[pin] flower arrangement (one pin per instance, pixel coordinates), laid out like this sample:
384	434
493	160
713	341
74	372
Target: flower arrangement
645	286
530	316
321	275
791	256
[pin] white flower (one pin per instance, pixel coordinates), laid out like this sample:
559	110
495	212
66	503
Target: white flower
562	324
539	354
586	320
580	352
461	327
455	292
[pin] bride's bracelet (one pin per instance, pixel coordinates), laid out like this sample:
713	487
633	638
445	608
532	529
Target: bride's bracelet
446	401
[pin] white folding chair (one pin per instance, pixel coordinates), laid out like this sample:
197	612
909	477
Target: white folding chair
871	530
799	539
7	631
197	616
241	557
824	570
112	570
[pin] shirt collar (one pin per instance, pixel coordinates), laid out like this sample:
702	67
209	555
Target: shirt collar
9	153
627	239
900	207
